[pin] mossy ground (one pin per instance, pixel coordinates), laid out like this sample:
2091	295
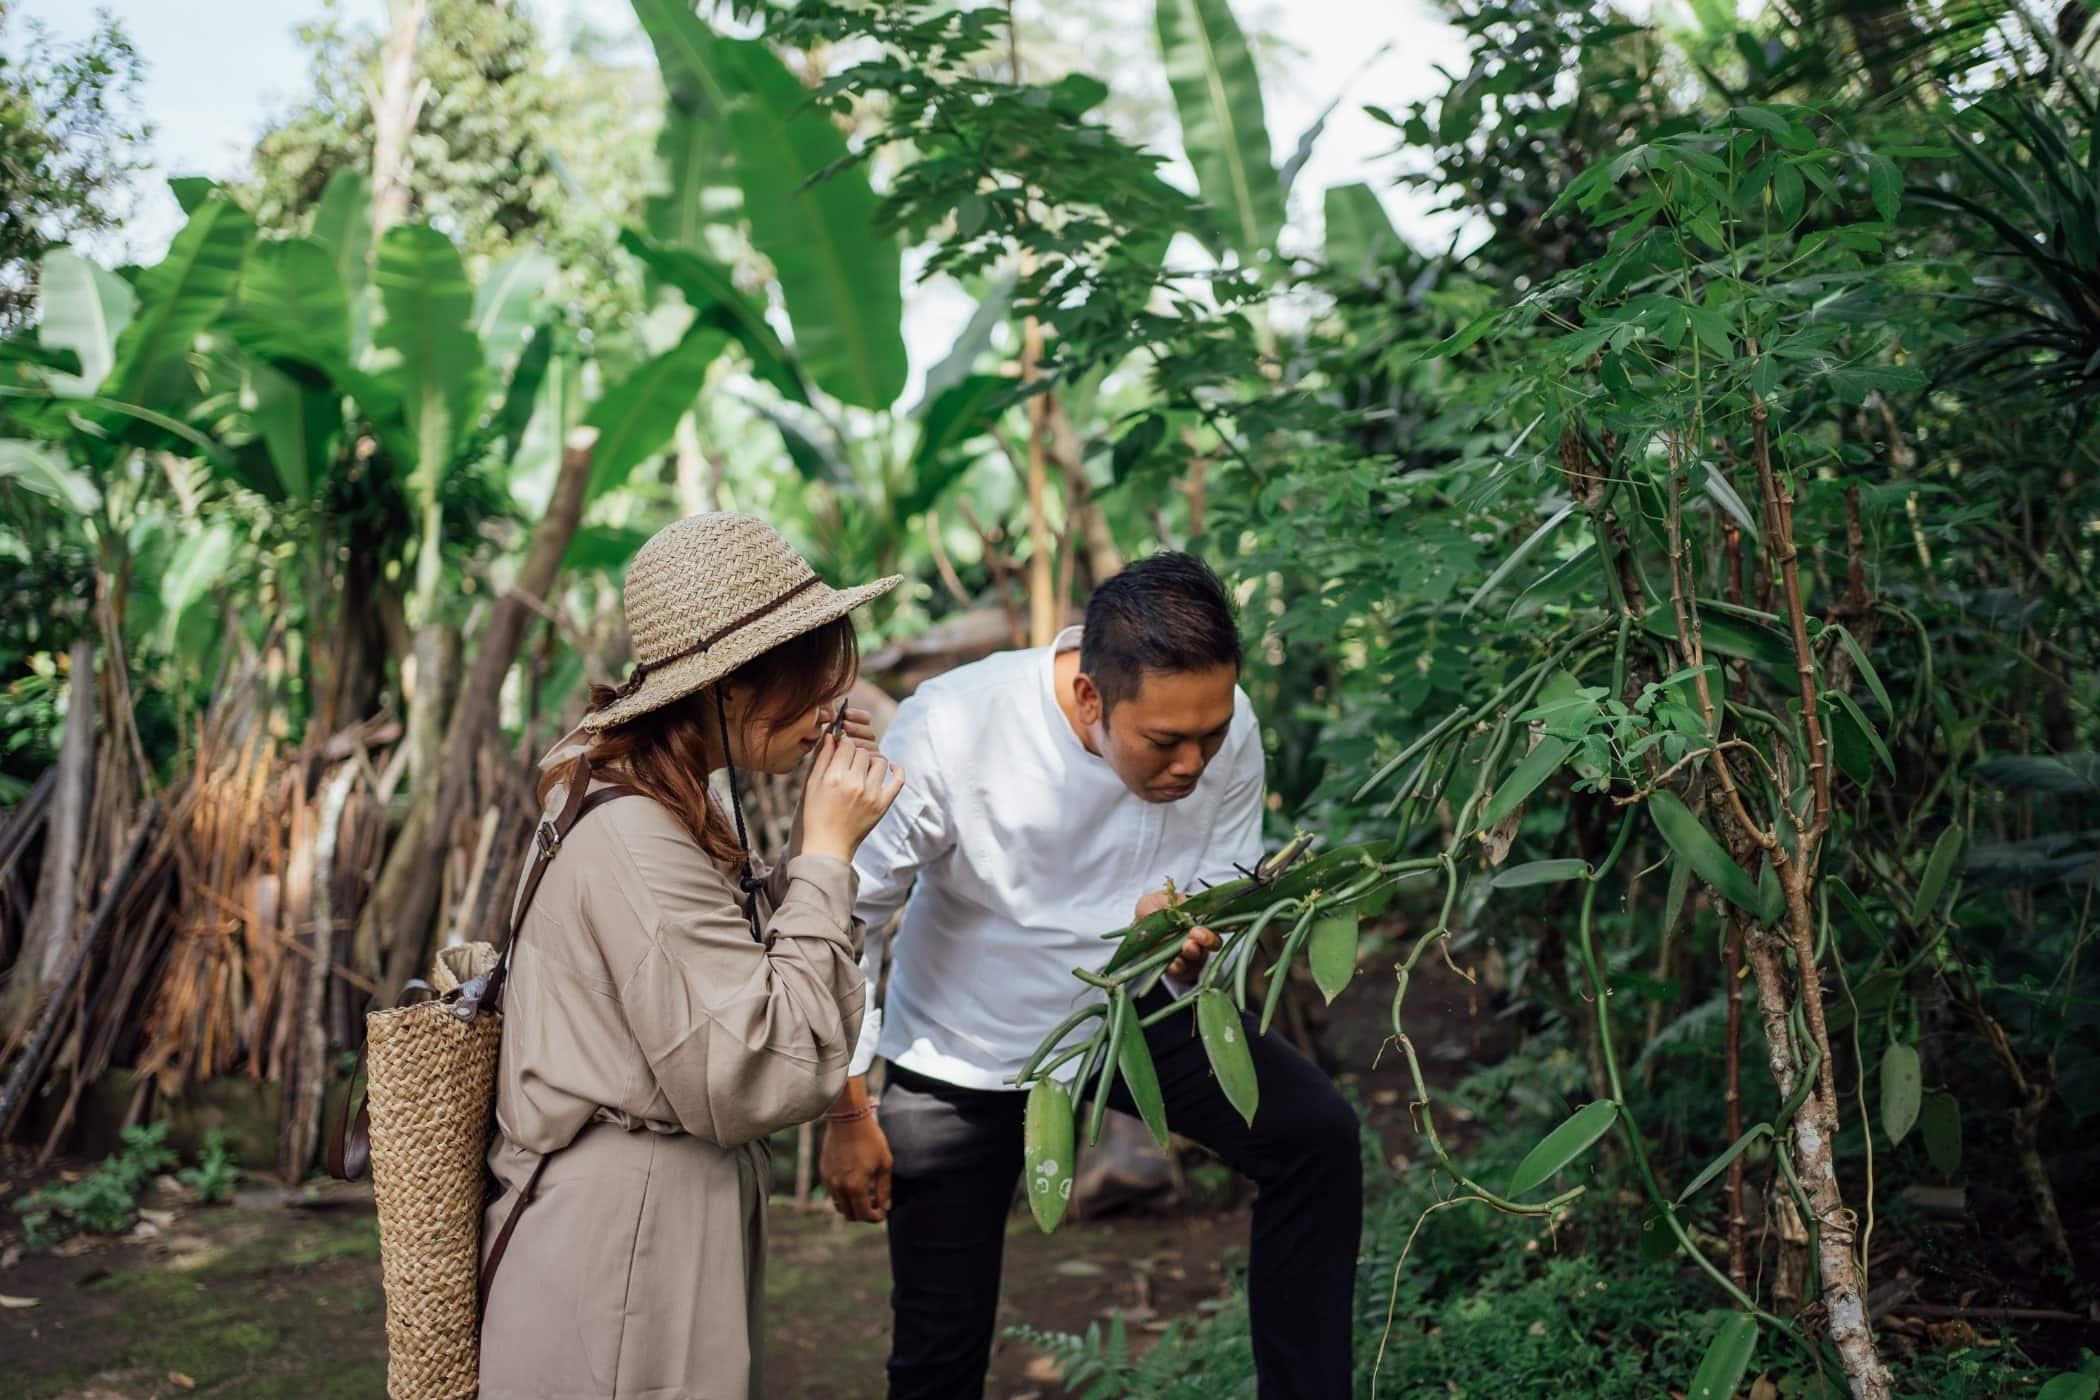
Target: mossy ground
275	1301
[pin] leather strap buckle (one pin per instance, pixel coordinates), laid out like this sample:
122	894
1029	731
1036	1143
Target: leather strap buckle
549	838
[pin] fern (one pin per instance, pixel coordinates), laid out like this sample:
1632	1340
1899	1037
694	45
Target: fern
1091	1367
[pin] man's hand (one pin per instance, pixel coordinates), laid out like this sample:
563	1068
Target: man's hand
1195	949
855	1163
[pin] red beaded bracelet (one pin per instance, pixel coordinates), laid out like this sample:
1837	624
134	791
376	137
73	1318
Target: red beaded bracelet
851	1115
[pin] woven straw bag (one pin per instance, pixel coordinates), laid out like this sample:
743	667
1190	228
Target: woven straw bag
432	1097
424	1129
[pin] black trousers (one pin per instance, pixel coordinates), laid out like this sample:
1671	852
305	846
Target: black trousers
958	1160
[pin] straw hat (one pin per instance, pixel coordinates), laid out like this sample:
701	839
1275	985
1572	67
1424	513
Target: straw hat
710	593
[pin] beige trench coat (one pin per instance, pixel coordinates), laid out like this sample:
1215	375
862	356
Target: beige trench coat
651	1045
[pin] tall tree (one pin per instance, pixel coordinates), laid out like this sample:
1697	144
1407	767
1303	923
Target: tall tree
71	139
513	145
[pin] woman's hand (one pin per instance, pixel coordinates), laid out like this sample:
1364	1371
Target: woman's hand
850	786
855	1165
860	725
860	728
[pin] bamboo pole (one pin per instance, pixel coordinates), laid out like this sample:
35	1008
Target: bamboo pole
27	1066
48	935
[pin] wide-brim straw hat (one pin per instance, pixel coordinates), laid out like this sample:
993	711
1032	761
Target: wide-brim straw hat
710	593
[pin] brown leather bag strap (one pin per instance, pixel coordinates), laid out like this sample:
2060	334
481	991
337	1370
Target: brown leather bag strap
579	803
502	1240
573	811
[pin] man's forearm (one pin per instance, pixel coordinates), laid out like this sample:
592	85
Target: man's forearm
853	1097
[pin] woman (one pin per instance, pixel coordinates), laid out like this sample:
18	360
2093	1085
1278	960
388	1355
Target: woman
667	1005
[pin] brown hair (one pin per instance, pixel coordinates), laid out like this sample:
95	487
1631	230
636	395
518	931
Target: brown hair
667	753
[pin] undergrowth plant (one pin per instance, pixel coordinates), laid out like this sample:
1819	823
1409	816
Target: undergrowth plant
103	1202
216	1174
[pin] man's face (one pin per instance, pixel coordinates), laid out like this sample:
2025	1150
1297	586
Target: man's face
1161	739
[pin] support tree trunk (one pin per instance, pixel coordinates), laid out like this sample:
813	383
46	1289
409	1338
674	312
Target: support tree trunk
1815	1126
49	933
395	106
1102	555
310	1083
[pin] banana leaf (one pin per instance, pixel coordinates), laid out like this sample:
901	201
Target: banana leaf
82	307
434	360
1217	93
812	211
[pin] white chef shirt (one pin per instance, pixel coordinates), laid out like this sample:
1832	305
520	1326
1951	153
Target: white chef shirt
1013	849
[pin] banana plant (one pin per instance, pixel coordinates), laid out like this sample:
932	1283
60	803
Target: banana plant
107	378
739	119
744	145
1217	94
369	398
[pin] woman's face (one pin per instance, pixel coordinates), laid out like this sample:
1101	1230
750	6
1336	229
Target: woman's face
764	743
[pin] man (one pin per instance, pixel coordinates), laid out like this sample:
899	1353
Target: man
1052	793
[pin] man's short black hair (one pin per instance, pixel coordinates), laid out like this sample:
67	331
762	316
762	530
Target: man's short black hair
1168	612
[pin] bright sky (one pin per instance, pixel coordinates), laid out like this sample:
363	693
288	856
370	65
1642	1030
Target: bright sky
218	68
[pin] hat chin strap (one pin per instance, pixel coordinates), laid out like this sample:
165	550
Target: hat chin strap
745	881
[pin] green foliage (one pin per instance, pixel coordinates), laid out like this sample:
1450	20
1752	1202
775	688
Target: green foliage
515	148
1095	1366
177	298
436	360
105	1201
84	308
637	417
1705	535
216	1173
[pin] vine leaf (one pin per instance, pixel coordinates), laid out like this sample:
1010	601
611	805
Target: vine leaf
1563	1145
1726	636
1771	899
1517	556
1049	1137
1866	670
1727	1357
1225	1042
1852	711
1538	765
1539	872
1141	1077
1902	1080
1331	952
1709	861
1680	886
1720	1163
1938	866
1658	1245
